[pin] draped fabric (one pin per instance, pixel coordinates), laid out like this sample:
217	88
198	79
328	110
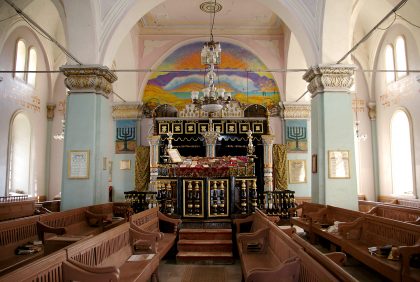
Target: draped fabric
280	166
142	173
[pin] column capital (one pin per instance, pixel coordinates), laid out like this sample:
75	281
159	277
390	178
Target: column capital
268	139
211	137
335	78
50	111
129	110
153	139
88	78
372	110
297	111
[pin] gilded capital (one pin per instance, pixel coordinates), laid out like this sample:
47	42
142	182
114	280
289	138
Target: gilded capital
50	111
268	139
88	78
153	140
211	137
126	110
372	110
297	111
335	78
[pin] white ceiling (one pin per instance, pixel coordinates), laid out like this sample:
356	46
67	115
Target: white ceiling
247	17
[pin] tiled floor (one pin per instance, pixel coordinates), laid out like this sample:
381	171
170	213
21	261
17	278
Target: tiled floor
169	271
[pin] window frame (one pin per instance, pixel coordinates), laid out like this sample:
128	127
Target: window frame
28	61
15	75
391	46
396	67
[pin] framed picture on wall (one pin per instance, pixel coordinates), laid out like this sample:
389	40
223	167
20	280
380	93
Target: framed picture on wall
78	164
297	171
339	164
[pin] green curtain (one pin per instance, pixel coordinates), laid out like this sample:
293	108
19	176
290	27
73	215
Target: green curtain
142	173
280	166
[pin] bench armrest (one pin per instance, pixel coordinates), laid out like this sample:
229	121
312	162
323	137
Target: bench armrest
158	235
142	241
255	239
355	227
238	222
288	271
76	271
373	210
97	219
43	228
171	221
405	253
337	257
318	216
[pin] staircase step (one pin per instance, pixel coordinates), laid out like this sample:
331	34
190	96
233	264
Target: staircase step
205	257
205	234
204	245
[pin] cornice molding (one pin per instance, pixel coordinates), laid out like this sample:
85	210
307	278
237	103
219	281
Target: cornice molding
88	78
126	111
296	111
329	78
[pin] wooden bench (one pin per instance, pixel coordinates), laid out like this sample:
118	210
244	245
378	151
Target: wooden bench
269	253
303	210
372	231
365	206
16	209
105	257
396	212
331	261
162	227
14	233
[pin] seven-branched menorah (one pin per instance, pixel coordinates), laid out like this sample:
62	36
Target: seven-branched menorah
296	133
125	135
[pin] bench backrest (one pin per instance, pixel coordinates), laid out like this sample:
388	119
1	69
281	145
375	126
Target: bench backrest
400	213
377	231
64	218
17	232
413	203
342	215
48	268
365	206
310	207
147	220
110	248
17	209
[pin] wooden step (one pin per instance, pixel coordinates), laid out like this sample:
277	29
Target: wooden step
205	234
204	245
205	257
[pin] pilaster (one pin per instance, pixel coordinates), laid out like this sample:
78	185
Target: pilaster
332	131
374	134
50	117
268	141
154	160
88	115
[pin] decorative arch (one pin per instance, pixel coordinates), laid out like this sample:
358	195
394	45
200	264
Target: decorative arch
165	110
255	110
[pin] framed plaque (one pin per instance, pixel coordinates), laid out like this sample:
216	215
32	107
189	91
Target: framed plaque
125	164
339	164
78	164
244	127
297	171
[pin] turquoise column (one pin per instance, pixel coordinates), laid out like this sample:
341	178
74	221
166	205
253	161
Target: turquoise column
374	134
332	131
50	117
88	130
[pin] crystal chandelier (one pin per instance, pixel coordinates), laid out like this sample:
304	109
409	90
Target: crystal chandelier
212	99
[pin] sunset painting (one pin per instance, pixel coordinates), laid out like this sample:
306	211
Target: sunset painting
171	84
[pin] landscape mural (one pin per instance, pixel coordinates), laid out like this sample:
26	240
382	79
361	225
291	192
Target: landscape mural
171	84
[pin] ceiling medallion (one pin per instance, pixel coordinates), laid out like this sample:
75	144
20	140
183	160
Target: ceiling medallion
210	7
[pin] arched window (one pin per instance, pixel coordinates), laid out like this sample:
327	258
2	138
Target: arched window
389	63
400	57
19	154
401	154
32	66
20	59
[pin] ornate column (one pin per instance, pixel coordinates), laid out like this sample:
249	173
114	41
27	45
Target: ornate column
87	135
211	140
50	117
268	141
374	134
154	160
332	136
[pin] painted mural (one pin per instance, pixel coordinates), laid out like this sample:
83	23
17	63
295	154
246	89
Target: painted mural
171	84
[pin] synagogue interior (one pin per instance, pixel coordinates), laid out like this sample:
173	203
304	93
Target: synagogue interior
209	140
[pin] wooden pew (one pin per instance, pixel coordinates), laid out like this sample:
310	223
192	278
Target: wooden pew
269	253
373	231
303	210
396	212
365	206
105	257
331	261
153	222
48	268
14	233
16	209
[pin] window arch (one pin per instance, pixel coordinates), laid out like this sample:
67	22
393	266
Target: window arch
389	63
401	154
19	154
20	62
400	57
32	60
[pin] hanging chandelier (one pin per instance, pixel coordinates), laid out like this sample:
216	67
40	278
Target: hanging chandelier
212	99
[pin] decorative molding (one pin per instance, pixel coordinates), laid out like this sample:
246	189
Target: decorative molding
126	110
268	139
372	110
334	78
88	78
296	111
50	111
